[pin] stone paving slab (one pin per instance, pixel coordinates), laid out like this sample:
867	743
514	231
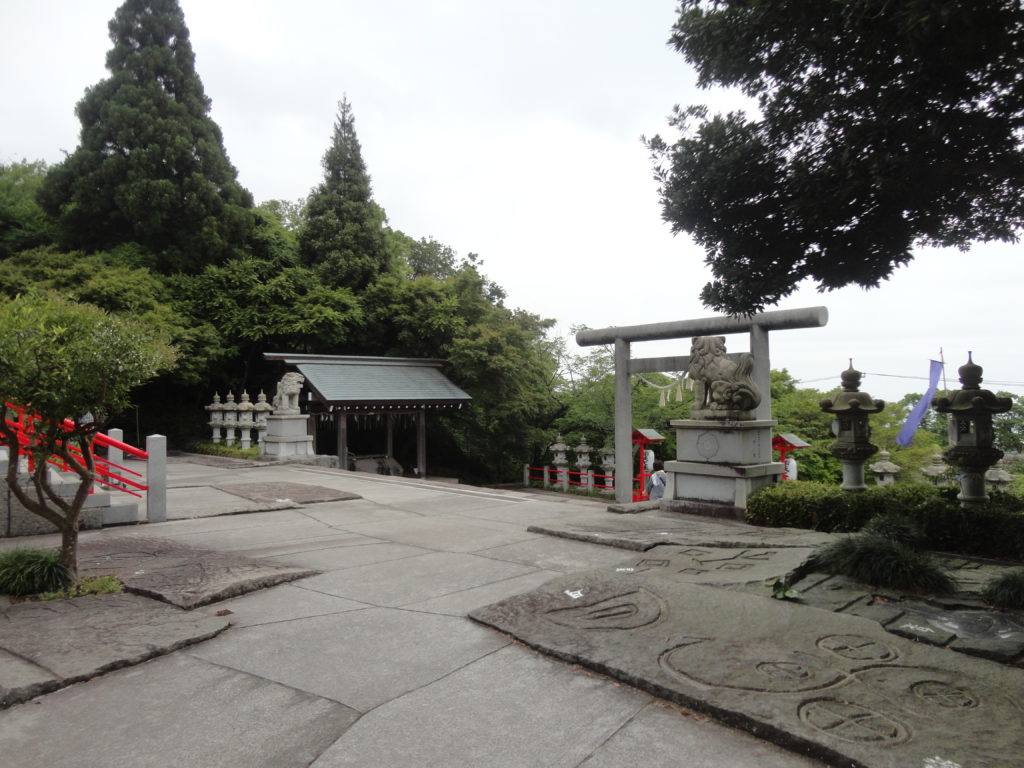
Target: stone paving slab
48	645
300	493
206	501
661	729
414	579
360	658
511	709
179	574
835	686
716	565
174	712
650	529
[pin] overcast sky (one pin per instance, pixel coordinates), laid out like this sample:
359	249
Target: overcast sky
510	130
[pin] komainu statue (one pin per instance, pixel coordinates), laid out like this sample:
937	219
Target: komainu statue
287	398
723	389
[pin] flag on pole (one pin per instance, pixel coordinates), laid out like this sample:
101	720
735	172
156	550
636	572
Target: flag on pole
914	419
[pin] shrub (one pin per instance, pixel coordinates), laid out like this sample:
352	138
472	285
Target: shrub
1006	591
882	562
896	527
28	571
995	529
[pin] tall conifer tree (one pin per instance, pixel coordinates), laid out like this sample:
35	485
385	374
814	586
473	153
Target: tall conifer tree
151	166
343	237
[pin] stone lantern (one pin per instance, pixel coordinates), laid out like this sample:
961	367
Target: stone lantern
997	477
245	420
851	409
261	410
971	436
608	465
583	463
884	470
561	462
937	473
216	416
230	409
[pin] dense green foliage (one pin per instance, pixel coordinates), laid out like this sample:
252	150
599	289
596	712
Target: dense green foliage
881	125
23	223
30	571
151	167
342	236
995	529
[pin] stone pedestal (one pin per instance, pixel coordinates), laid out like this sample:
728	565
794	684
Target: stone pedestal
287	436
719	465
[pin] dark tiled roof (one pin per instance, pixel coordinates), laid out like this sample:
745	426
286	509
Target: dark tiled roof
383	381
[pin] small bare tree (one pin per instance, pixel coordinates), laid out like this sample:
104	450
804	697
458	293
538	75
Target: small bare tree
73	366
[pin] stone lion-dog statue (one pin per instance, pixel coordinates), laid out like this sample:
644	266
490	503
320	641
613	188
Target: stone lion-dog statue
723	389
287	398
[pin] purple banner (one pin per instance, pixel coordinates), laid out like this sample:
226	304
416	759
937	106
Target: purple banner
914	419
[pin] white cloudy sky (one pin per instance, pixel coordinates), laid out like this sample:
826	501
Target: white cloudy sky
511	130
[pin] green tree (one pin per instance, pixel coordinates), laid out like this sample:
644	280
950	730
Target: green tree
74	366
882	125
151	166
1009	426
23	223
343	236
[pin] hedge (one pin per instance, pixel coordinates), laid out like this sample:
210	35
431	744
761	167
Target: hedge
995	529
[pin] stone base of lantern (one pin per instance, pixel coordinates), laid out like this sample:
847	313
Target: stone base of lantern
287	436
719	465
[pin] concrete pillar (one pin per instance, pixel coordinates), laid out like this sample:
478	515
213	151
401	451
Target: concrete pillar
115	455
623	424
156	478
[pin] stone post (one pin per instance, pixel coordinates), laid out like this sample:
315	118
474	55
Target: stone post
583	463
526	475
216	417
156	478
245	420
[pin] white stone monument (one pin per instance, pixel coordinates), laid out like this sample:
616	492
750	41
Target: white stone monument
288	428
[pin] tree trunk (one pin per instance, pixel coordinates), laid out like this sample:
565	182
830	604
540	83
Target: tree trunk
69	547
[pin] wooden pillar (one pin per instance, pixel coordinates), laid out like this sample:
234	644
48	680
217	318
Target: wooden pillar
341	422
421	442
390	451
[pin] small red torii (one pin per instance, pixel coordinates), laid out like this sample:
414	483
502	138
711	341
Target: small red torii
785	444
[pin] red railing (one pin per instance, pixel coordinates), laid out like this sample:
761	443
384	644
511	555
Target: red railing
600	482
108	473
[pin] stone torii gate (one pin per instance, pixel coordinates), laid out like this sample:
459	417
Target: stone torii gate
758	327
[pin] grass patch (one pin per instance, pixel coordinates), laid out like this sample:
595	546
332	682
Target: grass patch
1006	591
90	585
896	527
30	571
227	451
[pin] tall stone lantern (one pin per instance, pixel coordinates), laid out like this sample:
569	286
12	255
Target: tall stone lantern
971	436
851	409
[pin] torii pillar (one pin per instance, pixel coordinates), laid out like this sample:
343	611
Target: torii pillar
757	326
